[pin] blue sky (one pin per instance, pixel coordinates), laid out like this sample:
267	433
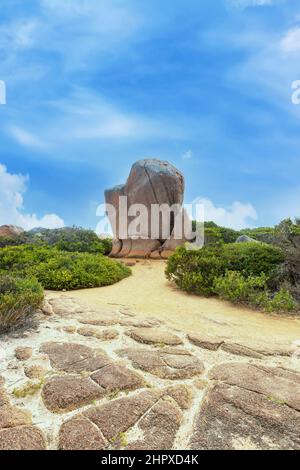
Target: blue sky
94	85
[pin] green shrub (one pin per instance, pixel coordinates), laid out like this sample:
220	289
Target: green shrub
19	298
58	270
282	301
214	234
238	272
235	287
73	239
21	239
195	271
253	258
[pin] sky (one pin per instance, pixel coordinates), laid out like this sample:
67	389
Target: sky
94	85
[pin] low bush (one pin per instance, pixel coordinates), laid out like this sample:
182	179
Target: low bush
59	270
19	298
282	301
195	271
238	272
235	287
72	239
253	258
214	234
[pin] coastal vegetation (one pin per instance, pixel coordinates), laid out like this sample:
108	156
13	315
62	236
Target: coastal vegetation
262	271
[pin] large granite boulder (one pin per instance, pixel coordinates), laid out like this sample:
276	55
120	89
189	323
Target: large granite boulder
150	182
245	239
10	231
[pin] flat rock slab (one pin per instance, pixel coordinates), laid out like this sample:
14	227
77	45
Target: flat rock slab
117	377
154	336
159	427
80	434
182	394
241	350
35	372
119	415
66	393
232	418
273	383
11	416
99	318
247	349
164	365
71	357
4	398
102	335
206	342
22	438
23	354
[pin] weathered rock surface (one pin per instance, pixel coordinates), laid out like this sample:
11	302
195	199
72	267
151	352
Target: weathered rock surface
154	336
271	382
150	182
102	335
205	341
241	350
245	239
10	231
246	349
159	426
23	354
164	365
117	377
11	416
34	372
119	415
233	418
80	434
70	357
156	397
66	393
22	438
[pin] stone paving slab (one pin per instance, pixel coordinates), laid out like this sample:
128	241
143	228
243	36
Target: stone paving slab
124	382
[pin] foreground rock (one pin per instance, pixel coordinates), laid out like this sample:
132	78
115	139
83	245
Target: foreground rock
69	357
170	365
79	383
156	417
22	438
275	383
252	407
154	336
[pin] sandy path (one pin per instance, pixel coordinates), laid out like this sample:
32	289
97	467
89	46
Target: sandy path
148	293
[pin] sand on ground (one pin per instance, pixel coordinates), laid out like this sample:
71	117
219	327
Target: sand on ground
148	293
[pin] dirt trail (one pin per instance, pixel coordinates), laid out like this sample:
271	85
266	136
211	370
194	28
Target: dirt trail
148	293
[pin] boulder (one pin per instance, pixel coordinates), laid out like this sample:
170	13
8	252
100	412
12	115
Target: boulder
10	231
245	239
150	182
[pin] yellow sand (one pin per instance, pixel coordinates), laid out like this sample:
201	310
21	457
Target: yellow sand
148	293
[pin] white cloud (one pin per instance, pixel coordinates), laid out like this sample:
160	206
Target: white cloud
187	155
88	116
12	189
19	35
236	216
250	3
291	41
25	138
